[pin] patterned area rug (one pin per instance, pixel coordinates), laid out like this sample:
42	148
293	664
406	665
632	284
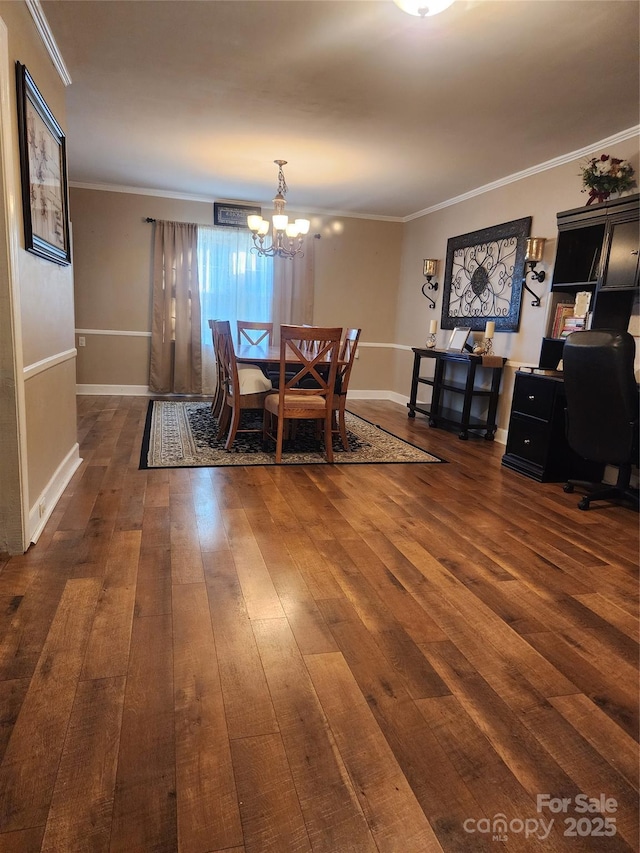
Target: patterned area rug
181	434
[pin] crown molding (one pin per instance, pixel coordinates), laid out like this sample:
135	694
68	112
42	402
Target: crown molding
42	25
622	136
120	188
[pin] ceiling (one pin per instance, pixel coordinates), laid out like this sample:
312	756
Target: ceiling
377	112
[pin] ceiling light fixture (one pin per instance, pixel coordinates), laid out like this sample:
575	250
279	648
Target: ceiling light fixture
423	8
287	238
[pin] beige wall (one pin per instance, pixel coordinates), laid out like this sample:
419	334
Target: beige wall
540	196
357	268
39	295
368	273
357	264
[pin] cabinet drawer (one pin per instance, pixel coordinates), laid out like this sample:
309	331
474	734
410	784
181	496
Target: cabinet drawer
528	439
533	397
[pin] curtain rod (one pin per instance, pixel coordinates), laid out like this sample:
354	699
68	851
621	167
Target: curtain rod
151	219
174	222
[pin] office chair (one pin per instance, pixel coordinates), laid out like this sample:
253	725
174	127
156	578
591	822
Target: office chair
602	408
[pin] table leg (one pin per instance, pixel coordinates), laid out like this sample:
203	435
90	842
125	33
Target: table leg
414	385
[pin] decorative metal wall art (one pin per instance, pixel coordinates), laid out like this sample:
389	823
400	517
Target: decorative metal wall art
483	277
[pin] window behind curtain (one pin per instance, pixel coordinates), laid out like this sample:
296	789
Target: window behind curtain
234	284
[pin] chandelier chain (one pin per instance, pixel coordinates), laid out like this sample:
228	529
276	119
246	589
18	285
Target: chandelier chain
282	184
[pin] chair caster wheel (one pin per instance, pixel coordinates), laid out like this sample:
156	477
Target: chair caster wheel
568	488
583	504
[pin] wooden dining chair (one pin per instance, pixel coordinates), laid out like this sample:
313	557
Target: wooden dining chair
346	358
310	351
218	397
245	386
254	333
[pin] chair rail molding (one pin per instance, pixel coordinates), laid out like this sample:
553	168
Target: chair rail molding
123	332
31	370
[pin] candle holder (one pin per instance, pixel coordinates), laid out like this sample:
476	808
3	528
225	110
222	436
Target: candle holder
483	347
431	341
429	270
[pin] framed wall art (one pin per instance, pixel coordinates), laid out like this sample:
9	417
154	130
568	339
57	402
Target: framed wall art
483	277
233	214
43	167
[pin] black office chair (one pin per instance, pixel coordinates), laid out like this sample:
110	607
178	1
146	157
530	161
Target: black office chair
602	408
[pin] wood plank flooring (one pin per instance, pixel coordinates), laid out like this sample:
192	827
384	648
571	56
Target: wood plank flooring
392	658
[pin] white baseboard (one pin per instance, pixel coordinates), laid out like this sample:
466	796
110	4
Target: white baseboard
50	495
114	390
402	400
370	395
143	391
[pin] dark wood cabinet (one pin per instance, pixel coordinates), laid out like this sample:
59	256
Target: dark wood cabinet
598	251
578	256
621	272
536	444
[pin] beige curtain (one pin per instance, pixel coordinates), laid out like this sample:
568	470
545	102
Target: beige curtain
176	365
293	288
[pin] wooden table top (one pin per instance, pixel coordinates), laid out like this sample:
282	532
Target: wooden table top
257	353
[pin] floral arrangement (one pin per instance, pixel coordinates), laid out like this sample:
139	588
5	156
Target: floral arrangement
604	175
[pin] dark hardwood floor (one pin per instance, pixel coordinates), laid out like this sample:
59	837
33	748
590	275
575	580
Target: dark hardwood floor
318	658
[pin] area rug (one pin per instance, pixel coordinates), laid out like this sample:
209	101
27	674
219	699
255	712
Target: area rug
182	434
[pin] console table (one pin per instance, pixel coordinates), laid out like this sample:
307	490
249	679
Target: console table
467	364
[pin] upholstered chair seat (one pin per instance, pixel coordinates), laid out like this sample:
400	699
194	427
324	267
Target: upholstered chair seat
252	380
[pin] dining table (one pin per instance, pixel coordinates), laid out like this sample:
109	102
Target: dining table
260	354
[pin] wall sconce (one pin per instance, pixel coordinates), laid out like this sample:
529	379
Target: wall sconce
535	250
429	269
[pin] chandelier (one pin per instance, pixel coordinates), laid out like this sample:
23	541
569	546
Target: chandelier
423	8
287	238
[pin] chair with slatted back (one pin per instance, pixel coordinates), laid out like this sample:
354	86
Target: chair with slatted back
346	358
218	397
245	386
254	333
315	353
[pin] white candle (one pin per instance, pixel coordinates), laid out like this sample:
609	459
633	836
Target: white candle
433	327
489	329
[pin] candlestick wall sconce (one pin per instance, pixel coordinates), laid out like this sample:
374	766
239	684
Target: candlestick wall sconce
535	249
429	270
